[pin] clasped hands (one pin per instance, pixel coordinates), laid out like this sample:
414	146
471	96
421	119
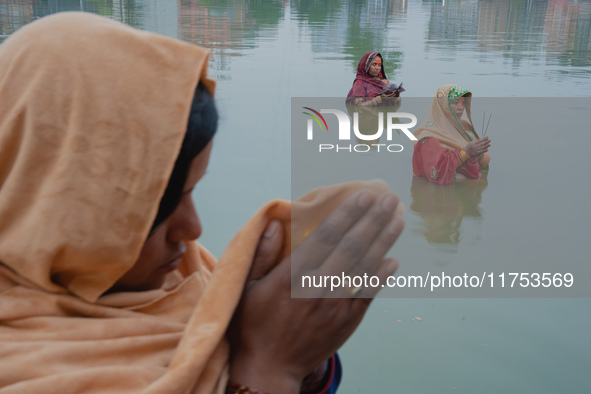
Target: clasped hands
477	147
278	340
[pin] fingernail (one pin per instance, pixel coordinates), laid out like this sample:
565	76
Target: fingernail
364	200
389	203
271	229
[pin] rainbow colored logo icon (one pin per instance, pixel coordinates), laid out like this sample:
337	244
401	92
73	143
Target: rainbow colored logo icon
315	118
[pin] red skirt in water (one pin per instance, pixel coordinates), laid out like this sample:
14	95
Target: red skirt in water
439	164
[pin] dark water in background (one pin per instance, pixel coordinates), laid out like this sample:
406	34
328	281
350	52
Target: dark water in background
534	206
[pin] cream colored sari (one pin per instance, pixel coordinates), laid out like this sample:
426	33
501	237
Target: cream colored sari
441	123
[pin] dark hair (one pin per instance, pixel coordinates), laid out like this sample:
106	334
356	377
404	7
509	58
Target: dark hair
201	127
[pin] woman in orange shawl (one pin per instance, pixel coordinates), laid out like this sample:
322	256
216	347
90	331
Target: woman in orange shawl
102	286
448	147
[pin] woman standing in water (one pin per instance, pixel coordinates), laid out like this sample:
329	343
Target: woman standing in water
371	84
448	147
104	133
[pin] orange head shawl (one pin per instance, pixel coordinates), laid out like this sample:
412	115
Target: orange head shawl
92	118
442	123
93	114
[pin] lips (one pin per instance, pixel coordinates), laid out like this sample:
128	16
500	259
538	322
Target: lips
174	262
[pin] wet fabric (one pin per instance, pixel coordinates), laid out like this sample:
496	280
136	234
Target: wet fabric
440	164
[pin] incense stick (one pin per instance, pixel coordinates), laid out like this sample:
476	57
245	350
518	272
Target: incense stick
484	134
483	116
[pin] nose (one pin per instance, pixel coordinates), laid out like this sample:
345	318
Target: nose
184	224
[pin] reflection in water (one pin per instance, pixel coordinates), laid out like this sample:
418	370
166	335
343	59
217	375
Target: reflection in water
228	28
517	28
353	27
567	32
452	23
368	26
14	14
228	25
443	207
555	32
512	27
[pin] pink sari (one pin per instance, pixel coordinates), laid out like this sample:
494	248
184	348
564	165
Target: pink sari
364	84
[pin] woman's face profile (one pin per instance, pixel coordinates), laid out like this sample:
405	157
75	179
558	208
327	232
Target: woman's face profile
165	245
375	67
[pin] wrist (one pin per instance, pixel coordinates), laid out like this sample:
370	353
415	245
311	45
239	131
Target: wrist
377	100
315	381
463	156
269	378
328	376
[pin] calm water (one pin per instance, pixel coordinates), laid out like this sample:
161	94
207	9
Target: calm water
532	208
